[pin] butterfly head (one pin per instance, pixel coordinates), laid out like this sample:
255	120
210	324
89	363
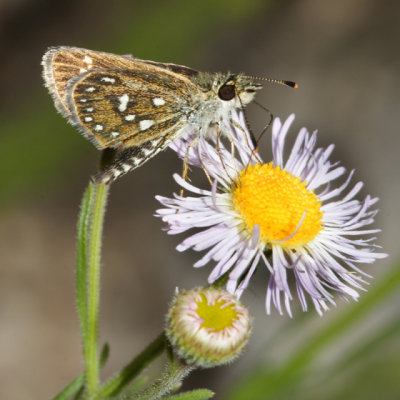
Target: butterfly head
232	90
238	89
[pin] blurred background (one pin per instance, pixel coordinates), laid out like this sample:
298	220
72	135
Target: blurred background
344	55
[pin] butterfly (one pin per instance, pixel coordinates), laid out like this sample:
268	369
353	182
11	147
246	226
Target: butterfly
138	107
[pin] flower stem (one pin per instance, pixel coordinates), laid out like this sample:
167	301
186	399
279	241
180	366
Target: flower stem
93	288
82	258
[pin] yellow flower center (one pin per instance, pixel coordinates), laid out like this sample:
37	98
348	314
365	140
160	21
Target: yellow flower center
277	202
216	316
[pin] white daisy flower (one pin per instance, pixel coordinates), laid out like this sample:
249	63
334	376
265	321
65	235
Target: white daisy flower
286	214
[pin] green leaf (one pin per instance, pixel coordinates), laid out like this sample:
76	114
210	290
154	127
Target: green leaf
118	381
170	381
198	394
77	384
72	389
105	353
137	385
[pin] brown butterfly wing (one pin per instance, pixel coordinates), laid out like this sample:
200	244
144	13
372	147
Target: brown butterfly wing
60	64
69	71
120	108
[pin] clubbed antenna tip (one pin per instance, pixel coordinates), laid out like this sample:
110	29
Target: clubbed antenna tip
294	85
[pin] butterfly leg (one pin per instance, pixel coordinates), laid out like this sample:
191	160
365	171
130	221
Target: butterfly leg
186	167
233	151
253	146
205	170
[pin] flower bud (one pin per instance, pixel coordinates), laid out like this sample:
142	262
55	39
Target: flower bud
207	326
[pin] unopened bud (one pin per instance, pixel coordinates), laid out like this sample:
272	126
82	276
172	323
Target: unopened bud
207	326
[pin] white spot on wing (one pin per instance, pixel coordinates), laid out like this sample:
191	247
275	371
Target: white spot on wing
147	152
130	117
135	161
123	102
145	124
88	119
126	167
83	100
82	70
155	142
114	134
98	128
90	109
90	89
88	60
157	101
108	79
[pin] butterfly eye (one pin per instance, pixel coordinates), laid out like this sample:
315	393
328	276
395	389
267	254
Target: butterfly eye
226	92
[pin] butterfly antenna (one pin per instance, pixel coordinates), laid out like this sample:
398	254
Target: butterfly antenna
291	84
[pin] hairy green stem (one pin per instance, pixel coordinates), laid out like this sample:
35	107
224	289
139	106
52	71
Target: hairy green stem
131	370
81	258
93	289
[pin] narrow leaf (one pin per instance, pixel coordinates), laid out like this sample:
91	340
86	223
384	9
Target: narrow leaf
118	381
71	389
77	384
199	394
138	385
170	381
